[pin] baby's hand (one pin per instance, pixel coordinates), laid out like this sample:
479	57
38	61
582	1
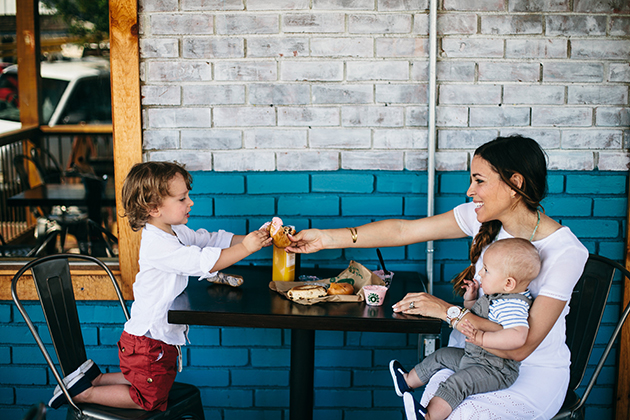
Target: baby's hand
256	240
472	334
471	288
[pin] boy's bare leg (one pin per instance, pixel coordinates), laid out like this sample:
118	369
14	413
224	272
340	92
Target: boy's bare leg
115	378
109	395
412	379
438	409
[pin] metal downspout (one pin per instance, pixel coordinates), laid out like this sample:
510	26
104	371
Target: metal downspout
431	139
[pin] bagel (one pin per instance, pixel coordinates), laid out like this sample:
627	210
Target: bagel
340	289
307	291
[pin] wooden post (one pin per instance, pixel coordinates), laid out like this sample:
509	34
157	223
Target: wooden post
622	409
27	28
126	121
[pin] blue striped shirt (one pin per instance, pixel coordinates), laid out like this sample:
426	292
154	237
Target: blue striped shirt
510	313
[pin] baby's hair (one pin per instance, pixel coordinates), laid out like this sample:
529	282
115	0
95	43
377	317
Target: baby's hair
519	257
146	186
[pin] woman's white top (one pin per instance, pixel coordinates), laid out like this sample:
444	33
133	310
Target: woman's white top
165	262
539	391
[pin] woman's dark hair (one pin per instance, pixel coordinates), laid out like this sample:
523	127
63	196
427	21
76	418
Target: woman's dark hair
508	156
145	186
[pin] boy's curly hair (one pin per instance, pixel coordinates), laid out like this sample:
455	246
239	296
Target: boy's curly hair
145	186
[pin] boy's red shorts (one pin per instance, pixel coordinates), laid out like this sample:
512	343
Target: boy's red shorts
150	374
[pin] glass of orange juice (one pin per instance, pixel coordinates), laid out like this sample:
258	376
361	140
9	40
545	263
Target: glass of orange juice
283	265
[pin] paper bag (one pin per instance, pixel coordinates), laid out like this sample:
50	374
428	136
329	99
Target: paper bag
356	274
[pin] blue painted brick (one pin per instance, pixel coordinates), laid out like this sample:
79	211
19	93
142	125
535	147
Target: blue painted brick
567	206
598	412
5	355
354	183
328	378
593	228
366	254
252	414
5	312
251	337
555	183
591	246
214	183
227	397
34	311
236	226
204	336
271	357
418	251
371	340
91	312
325	255
213	414
587	184
445	204
407	183
308	205
218	357
339	222
110	335
271	397
31	355
371	377
387	398
7	396
203	206
324	414
260	377
23	375
29	395
373	414
345	357
16	334
451	249
406	353
103	355
277	183
372	206
234	206
614	250
329	338
415	206
204	376
609	207
343	398
454	182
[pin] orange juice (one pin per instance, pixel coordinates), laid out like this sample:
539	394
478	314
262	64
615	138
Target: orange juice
283	265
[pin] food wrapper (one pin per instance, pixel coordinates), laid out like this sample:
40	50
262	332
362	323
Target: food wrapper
356	274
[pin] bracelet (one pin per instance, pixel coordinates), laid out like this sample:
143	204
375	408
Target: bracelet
353	232
459	318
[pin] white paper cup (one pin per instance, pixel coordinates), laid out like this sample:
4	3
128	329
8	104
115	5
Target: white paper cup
374	294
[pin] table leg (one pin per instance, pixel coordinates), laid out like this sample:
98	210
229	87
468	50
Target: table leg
301	375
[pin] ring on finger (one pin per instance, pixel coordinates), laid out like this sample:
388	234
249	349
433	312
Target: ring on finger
412	305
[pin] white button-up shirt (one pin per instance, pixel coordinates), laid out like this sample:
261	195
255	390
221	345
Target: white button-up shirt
166	261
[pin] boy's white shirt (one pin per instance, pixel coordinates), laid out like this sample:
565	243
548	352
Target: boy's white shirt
165	265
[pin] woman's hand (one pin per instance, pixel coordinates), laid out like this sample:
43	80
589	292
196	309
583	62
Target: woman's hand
307	241
422	304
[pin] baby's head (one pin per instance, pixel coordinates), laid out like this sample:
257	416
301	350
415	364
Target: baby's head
509	265
146	186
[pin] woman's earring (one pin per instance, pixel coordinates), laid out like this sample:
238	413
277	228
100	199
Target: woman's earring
513	194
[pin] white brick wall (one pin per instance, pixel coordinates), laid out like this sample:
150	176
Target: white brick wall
321	85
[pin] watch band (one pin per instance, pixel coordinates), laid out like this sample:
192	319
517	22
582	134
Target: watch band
459	318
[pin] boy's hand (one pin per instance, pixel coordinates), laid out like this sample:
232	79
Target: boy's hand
471	288
472	334
255	240
265	230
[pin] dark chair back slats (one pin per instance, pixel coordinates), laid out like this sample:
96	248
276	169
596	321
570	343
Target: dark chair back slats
54	287
586	310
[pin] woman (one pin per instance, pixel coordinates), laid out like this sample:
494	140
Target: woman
508	182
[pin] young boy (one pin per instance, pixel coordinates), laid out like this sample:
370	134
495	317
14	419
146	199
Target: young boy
155	199
509	266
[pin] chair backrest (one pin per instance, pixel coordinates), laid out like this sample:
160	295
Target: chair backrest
47	166
20	163
51	275
586	310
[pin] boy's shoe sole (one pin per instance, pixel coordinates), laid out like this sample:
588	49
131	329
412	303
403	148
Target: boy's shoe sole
89	369
398	377
77	385
413	409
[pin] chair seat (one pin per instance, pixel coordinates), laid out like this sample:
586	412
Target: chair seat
184	399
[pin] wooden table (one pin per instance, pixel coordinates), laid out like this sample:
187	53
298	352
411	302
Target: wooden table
254	305
59	194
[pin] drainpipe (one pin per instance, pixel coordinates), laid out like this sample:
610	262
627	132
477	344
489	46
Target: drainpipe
431	138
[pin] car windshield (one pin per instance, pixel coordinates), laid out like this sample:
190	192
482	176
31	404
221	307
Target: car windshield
52	89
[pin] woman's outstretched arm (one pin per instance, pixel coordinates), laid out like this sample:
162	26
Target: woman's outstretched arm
383	233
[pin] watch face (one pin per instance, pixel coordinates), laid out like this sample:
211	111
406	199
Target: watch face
453	311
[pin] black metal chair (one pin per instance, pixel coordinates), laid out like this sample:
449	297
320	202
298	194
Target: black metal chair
36	412
587	308
51	275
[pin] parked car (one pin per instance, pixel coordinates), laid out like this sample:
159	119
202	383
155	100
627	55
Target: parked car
73	92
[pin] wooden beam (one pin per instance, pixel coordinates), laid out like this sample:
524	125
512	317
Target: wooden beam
77	129
622	409
126	121
27	25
